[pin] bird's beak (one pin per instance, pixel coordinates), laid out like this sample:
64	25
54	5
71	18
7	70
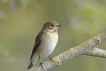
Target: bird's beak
59	25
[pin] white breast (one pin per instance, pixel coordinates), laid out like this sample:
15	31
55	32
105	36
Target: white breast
48	44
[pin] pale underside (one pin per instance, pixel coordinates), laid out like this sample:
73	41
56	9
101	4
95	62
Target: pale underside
48	44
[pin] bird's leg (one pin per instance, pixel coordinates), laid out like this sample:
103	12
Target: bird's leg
50	58
40	62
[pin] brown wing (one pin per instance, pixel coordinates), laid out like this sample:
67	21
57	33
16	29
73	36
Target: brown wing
37	43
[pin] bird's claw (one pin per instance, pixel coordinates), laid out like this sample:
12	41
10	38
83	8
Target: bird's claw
50	58
40	64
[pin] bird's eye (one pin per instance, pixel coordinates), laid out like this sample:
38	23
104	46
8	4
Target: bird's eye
52	25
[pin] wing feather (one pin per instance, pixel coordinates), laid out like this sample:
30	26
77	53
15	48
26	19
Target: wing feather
37	43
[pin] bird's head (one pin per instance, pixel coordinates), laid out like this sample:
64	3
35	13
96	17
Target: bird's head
51	26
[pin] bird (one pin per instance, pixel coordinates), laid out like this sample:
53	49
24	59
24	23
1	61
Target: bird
45	42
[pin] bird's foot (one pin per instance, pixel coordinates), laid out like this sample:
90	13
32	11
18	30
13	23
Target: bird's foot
41	64
50	58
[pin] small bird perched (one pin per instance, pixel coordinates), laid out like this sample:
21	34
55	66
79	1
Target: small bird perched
45	42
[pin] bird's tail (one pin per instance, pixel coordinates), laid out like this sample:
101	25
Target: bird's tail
32	62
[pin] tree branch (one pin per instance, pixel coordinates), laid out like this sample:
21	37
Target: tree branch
96	52
86	48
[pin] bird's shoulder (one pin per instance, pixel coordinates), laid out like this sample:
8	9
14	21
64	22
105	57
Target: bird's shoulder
39	37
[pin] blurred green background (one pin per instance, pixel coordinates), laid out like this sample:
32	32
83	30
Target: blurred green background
21	20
